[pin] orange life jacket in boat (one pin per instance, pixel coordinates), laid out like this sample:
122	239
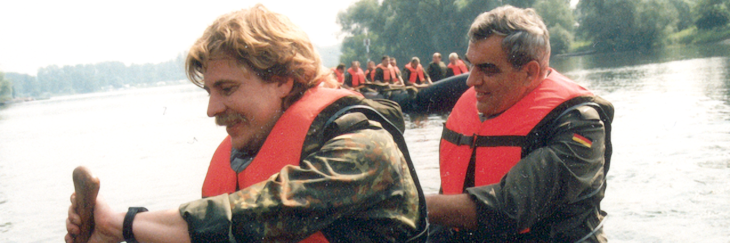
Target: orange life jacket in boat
340	75
458	68
395	69
500	142
415	73
388	73
282	147
358	77
370	74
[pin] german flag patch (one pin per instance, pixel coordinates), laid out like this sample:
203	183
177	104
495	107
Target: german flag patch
582	140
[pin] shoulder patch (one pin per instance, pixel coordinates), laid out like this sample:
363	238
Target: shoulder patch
582	140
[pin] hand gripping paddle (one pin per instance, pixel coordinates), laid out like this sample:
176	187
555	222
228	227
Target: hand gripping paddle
87	187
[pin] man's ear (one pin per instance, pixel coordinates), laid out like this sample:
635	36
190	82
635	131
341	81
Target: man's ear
533	72
284	85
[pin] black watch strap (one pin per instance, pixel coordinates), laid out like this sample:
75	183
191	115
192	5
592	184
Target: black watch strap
127	225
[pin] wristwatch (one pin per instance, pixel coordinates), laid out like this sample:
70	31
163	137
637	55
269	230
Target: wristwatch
127	225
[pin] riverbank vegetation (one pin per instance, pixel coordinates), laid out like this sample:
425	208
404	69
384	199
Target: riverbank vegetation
407	28
86	78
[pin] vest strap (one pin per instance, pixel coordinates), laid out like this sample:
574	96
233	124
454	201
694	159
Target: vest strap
483	141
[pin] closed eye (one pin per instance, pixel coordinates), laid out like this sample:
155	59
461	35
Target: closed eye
488	68
224	87
228	90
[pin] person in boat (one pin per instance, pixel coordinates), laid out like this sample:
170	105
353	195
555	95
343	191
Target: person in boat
385	78
436	69
355	77
339	73
384	72
456	66
370	71
525	151
301	163
398	74
415	76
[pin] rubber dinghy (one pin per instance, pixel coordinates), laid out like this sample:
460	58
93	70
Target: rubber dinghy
437	98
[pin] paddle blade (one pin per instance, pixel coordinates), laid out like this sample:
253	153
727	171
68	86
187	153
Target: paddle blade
87	187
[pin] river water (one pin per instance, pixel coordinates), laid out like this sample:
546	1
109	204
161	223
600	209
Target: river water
669	178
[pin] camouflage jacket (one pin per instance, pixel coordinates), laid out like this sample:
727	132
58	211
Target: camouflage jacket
353	184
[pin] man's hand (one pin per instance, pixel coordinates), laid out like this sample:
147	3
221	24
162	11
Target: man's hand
458	211
107	227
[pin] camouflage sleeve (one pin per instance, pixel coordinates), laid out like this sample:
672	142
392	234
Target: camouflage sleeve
361	175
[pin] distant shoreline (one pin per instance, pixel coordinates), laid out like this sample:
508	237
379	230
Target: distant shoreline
579	53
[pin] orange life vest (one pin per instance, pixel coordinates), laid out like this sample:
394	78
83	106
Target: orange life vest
388	73
458	68
340	75
283	147
358	77
370	74
415	73
498	141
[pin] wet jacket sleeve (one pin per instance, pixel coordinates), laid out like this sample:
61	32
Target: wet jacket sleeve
568	169
352	172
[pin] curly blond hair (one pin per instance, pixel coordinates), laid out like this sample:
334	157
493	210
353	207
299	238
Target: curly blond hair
267	43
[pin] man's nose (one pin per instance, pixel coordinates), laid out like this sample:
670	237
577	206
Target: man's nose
215	106
472	80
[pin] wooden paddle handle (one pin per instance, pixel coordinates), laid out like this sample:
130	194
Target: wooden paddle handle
87	187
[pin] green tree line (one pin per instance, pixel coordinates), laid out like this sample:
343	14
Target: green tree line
408	28
86	78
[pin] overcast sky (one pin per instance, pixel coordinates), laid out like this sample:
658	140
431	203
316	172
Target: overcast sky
36	34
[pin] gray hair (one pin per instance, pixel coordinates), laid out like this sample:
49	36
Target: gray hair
525	36
453	55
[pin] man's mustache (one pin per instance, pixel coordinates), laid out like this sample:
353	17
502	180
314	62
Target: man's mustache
229	118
